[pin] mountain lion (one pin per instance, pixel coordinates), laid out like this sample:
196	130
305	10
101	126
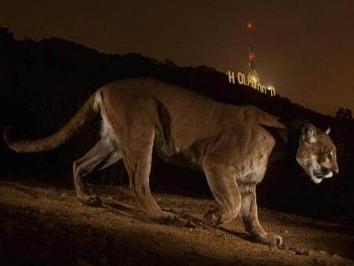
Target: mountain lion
230	144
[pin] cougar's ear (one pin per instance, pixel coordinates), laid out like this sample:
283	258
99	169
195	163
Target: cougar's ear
309	133
328	130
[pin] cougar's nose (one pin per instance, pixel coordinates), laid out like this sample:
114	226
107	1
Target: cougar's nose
336	170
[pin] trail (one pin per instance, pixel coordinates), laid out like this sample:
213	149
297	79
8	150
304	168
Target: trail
43	224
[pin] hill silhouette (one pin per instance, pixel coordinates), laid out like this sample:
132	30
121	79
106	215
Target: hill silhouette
43	83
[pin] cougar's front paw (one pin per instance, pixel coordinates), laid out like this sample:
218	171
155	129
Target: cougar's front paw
271	239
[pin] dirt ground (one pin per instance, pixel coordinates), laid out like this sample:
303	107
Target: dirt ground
43	224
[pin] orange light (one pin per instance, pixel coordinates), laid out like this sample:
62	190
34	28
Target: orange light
249	26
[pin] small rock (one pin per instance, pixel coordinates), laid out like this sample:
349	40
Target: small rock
286	232
64	195
219	235
322	252
189	224
302	252
227	237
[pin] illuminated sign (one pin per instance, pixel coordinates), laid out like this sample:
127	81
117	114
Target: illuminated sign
250	81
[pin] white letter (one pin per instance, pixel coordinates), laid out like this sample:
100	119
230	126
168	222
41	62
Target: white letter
231	76
263	89
272	90
240	78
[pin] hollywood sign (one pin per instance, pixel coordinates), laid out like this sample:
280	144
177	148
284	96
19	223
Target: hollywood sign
250	81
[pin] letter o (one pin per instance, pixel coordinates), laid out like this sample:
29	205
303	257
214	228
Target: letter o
240	78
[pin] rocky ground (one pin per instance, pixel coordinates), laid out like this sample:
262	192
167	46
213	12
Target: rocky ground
43	224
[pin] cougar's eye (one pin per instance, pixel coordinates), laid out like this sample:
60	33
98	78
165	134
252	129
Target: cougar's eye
329	154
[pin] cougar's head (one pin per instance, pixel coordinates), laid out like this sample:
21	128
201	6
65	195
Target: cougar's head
316	153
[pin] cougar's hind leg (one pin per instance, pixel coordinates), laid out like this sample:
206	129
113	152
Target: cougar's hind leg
137	158
225	190
102	155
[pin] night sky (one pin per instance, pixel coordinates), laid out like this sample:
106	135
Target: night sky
304	48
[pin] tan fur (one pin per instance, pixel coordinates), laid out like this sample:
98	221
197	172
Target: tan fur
317	153
74	125
228	143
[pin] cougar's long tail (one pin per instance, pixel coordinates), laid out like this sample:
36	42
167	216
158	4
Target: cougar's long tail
81	118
